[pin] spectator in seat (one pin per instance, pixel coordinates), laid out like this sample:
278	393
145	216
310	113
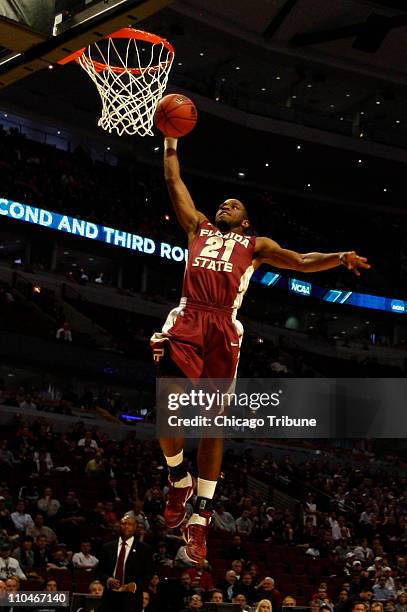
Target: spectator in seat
40	529
237	550
95	466
201	579
240	599
70	516
245	585
5	517
96	588
139	515
381	592
41	551
13	584
6	456
223	521
289	602
216	596
64	334
88	439
267	590
25	554
376	606
51	585
60	559
401	603
358	606
227	585
237	567
264	605
84	559
342	602
48	504
110	514
21	519
3	589
195	602
244	525
8	565
146	601
363	553
162	556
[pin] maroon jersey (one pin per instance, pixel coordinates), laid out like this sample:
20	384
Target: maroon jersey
219	267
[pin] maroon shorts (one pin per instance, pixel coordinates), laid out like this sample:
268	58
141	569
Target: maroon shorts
202	341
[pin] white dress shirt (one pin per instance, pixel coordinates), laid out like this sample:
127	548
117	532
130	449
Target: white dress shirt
129	547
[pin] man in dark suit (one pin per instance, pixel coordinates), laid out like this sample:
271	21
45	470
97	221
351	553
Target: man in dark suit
125	568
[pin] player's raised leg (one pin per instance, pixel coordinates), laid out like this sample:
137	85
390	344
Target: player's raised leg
210	452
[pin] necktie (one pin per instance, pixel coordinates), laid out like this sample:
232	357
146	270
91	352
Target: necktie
120	563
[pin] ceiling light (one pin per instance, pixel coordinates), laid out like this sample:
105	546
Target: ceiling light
167	217
179	63
91	258
59	131
341	118
108	148
50	67
217	99
385	189
266	164
223	79
241	174
298	147
263	89
6	115
308	184
347	95
156	149
397	120
202	54
294	97
359	161
367	322
378	102
309	85
332	106
362	112
278	78
237	67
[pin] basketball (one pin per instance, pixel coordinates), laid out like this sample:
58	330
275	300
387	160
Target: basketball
176	115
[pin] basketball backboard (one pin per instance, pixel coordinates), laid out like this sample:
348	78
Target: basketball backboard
34	35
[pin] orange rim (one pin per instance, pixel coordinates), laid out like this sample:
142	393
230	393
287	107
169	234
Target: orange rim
154	39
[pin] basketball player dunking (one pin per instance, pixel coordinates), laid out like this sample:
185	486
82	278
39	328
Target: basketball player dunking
201	338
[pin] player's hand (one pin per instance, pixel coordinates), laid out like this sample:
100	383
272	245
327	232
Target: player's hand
353	262
113	584
131	587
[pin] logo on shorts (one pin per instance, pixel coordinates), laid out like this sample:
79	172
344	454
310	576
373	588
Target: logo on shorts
158	353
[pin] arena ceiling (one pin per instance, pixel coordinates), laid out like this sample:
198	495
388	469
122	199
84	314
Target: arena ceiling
341	65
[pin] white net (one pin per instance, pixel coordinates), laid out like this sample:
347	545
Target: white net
131	75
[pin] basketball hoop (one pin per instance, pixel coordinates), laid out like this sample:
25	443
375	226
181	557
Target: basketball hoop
130	70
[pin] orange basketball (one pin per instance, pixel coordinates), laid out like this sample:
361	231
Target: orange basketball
176	115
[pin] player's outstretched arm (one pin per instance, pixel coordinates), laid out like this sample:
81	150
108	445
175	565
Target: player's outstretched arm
188	216
269	251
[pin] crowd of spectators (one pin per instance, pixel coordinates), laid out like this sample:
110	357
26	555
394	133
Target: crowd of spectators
341	541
